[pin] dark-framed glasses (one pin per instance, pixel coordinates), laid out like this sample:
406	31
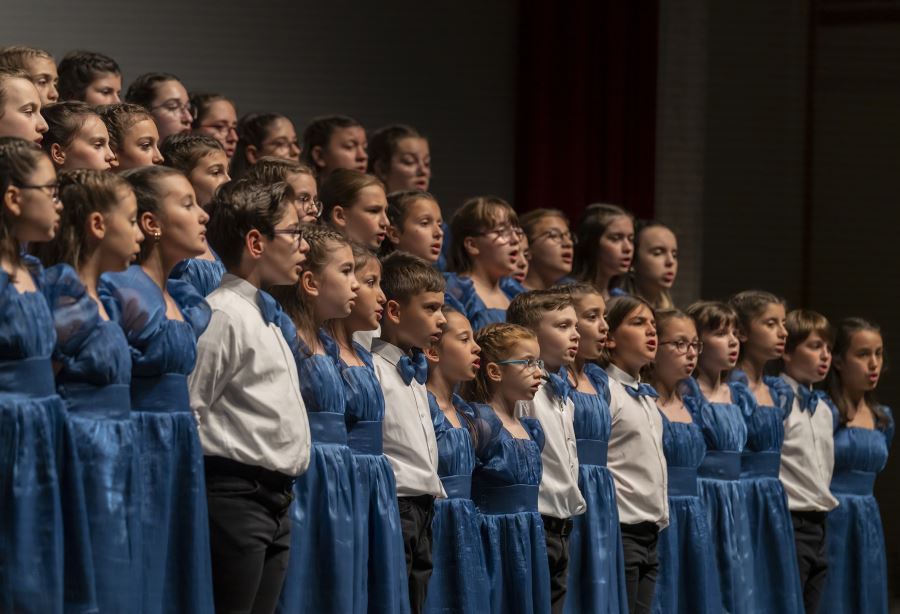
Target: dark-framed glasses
681	346
50	189
295	233
311	205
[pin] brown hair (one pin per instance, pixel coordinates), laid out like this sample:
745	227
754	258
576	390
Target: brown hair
496	341
846	329
528	308
78	69
319	131
342	187
398	210
617	311
200	103
145	182
711	316
82	192
270	169
7	74
596	219
64	120
184	151
142	90
16	57
383	145
120	118
749	305
18	160
253	129
403	276
531	219
476	215
629	283
663	318
801	323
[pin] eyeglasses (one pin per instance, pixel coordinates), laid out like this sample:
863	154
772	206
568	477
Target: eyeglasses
503	233
174	107
310	205
558	237
221	129
296	233
51	189
681	346
531	364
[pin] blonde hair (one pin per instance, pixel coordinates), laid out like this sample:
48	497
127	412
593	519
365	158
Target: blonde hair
496	342
476	215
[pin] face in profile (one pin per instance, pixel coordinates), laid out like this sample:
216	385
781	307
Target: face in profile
139	146
171	108
106	88
20	115
89	148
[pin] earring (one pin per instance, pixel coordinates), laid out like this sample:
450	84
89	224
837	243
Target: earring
156	235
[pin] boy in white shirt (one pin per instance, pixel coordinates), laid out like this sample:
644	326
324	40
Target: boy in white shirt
552	317
246	395
412	321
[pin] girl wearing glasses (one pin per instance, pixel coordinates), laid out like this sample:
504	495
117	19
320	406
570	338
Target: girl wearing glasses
133	135
299	176
216	116
604	250
688	580
655	264
485	249
77	137
716	407
98	233
508	470
164	96
202	160
162	320
263	134
35	435
551	244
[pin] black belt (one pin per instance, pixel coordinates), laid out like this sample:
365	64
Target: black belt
273	480
560	526
811	516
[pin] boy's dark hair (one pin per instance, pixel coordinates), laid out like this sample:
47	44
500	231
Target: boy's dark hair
528	308
241	206
78	69
403	276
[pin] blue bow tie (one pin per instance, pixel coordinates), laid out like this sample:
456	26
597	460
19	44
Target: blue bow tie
809	398
559	384
643	390
415	367
268	306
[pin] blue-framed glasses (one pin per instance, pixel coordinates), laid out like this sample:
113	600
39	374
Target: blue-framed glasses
530	363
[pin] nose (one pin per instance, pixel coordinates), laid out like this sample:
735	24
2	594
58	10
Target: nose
476	349
295	150
204	216
157	156
361	154
116	98
383	221
53	94
186	117
109	156
41	126
232	136
381	299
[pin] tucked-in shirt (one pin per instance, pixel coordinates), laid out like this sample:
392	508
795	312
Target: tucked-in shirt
807	456
636	459
244	390
559	495
409	441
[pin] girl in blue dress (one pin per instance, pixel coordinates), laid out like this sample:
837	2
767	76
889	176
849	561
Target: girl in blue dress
485	249
416	225
688	581
380	579
596	561
98	233
459	580
552	248
508	471
320	572
713	404
203	161
604	249
162	320
45	561
766	402
857	574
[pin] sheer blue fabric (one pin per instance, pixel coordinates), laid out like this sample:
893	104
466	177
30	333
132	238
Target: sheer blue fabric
596	563
857	569
505	489
511	288
174	522
461	295
204	275
459	580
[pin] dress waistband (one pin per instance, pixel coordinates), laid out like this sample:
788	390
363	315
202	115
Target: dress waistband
592	451
167	393
860	483
32	377
327	427
721	465
512	499
365	437
760	464
112	402
682	481
458	486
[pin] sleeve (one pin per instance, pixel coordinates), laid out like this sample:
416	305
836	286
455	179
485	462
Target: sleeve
437	416
218	357
192	304
600	379
742	396
535	430
75	314
137	304
888	428
459	293
488	427
782	394
511	288
835	413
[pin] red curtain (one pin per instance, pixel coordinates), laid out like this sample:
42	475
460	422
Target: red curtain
586	108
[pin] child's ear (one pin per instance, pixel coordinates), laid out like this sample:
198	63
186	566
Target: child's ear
470	247
252	154
316	154
309	283
339	217
12	200
150	226
494	372
393	234
741	335
431	354
255	243
57	154
95	226
392	311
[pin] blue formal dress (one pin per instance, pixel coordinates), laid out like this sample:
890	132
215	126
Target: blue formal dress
505	489
94	379
688	581
380	581
596	562
176	572
511	288
320	572
45	554
461	295
725	435
857	574
204	275
459	580
776	577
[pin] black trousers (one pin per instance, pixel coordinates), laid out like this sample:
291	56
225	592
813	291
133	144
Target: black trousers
416	514
812	556
556	532
249	535
641	564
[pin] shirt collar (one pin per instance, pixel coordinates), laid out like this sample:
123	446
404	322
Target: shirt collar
388	351
623	378
242	288
794	384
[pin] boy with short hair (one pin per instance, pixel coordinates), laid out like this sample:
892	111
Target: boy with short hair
246	395
412	320
552	317
807	456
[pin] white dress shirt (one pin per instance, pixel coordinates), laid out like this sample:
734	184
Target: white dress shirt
807	456
636	458
366	337
559	495
409	441
244	389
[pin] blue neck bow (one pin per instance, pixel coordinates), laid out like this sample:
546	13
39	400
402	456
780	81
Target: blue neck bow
809	398
415	367
559	384
268	306
643	390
